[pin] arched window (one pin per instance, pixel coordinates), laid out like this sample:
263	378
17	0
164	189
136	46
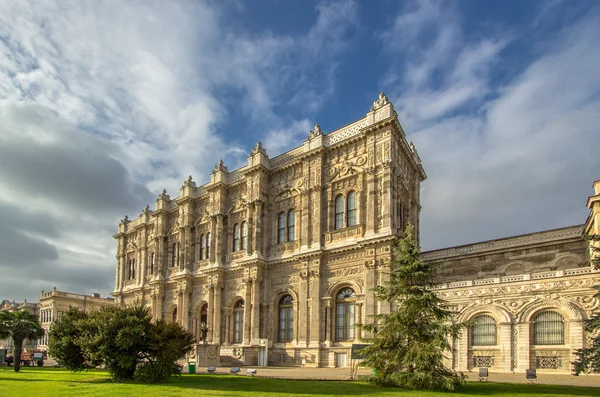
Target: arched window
133	268
238	321
130	270
281	228
290	225
339	212
203	322
549	329
236	237
244	235
483	331
174	317
351	209
207	246
202	247
345	309
286	319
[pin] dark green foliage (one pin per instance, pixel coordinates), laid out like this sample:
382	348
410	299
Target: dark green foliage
588	358
63	341
408	346
19	326
128	344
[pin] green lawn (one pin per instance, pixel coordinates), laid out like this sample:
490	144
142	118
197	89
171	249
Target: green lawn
49	382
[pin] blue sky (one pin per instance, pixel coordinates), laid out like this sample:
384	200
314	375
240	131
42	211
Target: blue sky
104	104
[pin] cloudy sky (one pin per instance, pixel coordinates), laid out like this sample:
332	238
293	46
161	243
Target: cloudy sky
105	103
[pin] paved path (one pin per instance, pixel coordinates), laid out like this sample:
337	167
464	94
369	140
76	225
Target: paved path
343	373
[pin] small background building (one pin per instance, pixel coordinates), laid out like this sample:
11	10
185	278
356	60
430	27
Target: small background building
54	303
13	306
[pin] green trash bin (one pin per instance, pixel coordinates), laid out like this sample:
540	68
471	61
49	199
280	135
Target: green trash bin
191	367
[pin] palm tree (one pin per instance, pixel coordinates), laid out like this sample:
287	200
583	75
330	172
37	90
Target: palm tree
19	326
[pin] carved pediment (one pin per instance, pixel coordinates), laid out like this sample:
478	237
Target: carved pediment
286	191
347	168
203	217
239	204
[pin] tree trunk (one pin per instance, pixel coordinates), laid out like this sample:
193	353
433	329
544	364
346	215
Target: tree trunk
18	350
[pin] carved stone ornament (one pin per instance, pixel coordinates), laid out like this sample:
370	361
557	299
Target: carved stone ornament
287	191
315	132
220	167
258	149
380	102
189	182
164	196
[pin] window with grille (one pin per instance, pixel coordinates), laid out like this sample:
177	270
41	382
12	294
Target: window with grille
339	212
352	209
345	311
236	237
549	329
281	227
244	236
286	319
290	225
483	331
238	321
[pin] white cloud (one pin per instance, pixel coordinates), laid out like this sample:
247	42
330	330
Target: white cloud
513	159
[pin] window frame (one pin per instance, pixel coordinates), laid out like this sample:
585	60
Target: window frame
340	212
481	331
351	213
281	227
285	325
201	252
291	225
238	321
207	246
345	315
553	337
236	237
244	236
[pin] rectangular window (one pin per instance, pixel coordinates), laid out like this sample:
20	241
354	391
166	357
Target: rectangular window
237	326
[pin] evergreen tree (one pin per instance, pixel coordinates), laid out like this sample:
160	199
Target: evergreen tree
408	344
588	358
19	326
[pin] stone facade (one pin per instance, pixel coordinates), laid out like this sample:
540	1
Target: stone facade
274	262
54	303
514	280
278	257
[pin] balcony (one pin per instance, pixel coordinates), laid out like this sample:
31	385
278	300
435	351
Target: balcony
236	255
287	247
346	233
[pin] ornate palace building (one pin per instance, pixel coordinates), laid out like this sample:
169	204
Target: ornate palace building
274	263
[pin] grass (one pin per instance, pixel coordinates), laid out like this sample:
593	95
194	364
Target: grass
49	382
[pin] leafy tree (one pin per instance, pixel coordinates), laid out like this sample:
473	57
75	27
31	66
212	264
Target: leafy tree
588	358
123	339
408	344
19	326
63	341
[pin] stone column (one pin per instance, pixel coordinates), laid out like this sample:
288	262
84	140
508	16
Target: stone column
219	239
187	256
185	307
369	296
523	353
179	307
255	311
329	317
121	272
249	229
247	311
160	257
217	315
315	302
386	212
505	342
302	310
358	320
209	313
371	200
257	230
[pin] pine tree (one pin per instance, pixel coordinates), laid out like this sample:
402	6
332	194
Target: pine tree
408	344
588	358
